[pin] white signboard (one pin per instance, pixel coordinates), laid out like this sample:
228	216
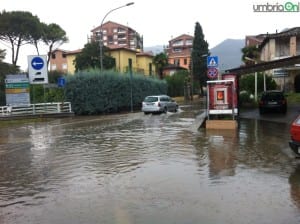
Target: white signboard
17	89
37	69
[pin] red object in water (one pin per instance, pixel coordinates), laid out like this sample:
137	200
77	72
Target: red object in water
295	136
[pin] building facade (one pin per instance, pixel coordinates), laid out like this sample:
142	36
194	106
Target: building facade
116	35
63	61
276	46
179	51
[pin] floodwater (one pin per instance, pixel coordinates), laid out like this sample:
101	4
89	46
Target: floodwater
145	169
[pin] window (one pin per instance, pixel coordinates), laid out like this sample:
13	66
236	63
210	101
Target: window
64	55
64	66
189	42
185	61
178	43
176	49
53	67
53	56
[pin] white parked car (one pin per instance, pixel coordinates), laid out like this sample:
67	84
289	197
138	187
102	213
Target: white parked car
159	104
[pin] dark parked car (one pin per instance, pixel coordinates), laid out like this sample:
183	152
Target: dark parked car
271	101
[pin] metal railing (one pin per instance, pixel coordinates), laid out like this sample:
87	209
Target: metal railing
36	109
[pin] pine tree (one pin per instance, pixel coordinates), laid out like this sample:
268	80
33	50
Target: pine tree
199	57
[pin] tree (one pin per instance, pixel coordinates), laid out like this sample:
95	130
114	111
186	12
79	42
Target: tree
89	58
160	60
18	28
53	36
250	55
199	55
5	69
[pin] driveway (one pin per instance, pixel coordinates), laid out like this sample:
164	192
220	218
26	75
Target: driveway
292	112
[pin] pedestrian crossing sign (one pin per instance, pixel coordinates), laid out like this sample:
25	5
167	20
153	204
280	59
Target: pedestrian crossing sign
212	61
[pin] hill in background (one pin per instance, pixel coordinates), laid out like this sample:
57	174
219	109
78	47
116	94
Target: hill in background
229	52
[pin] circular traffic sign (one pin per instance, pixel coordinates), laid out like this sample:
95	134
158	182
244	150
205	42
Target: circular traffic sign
37	63
212	73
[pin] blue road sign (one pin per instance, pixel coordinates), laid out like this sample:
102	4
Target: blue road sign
61	82
212	61
37	63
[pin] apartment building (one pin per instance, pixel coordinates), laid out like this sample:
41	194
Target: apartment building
179	51
276	46
116	35
63	61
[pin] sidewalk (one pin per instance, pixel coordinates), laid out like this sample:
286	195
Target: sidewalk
292	112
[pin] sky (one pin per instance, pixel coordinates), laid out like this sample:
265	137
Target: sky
158	21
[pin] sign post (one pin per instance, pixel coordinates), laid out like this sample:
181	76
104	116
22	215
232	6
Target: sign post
37	69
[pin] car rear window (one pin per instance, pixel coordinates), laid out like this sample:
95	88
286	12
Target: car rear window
150	99
273	96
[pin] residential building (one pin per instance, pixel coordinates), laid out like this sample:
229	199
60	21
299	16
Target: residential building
280	45
179	51
63	61
116	35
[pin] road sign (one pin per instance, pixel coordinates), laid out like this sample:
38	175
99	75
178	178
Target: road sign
61	82
212	73
37	69
212	61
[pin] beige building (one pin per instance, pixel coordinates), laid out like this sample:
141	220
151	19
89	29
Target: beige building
276	46
124	44
63	61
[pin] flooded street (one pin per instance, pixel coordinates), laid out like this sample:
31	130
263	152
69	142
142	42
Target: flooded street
145	169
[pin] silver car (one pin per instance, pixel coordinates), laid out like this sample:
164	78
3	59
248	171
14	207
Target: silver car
159	104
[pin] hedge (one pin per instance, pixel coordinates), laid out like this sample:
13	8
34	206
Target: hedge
93	92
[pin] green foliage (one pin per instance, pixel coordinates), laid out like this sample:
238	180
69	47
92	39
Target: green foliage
92	92
247	83
39	94
53	36
250	55
5	69
18	28
160	61
89	58
199	57
176	83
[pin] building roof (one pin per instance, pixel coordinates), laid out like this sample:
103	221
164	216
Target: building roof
265	65
68	52
286	33
147	54
116	24
117	48
182	36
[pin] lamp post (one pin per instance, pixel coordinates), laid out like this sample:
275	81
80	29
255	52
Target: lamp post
101	33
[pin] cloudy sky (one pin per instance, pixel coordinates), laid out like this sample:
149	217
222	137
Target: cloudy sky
159	20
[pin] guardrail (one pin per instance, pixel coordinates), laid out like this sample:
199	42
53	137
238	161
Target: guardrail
36	109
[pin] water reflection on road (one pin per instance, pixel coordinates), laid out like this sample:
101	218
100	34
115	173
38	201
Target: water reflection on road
134	168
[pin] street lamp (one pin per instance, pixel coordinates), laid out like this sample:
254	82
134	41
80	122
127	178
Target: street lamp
101	34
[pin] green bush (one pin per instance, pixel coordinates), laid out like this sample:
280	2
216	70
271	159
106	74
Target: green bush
92	92
176	83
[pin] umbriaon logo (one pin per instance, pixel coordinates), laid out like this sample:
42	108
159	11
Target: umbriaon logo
285	7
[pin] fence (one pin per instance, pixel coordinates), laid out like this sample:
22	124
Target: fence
36	109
